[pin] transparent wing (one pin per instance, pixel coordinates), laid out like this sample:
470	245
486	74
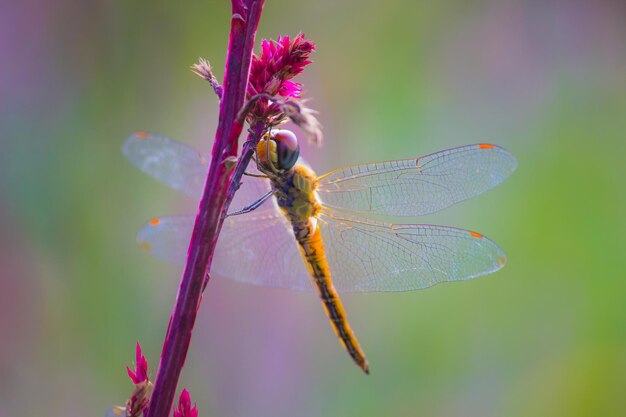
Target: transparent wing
256	249
183	168
371	256
116	411
259	248
167	237
362	255
411	187
168	161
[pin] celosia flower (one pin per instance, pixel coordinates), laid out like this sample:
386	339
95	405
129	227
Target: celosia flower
140	374
140	397
280	61
184	408
272	71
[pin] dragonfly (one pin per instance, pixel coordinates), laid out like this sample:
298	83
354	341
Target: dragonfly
306	232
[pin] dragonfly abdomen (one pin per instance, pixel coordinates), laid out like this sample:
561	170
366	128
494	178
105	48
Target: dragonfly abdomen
312	249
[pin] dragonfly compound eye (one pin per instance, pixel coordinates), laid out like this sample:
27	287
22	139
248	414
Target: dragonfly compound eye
266	152
287	148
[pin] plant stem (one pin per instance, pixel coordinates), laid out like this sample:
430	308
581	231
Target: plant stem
247	151
244	22
242	163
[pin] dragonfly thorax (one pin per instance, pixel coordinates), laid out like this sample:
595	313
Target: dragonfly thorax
296	195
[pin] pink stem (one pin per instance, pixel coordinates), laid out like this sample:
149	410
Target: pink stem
244	23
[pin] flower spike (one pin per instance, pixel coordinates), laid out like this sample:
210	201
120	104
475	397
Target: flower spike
140	374
271	73
184	408
140	397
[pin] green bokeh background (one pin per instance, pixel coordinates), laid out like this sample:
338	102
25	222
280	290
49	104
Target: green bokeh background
546	336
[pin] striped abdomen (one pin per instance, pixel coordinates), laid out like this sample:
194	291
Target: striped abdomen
312	249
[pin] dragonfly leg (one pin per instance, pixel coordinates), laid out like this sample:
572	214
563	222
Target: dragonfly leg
252	206
255	175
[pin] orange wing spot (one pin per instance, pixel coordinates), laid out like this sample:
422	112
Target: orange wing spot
417	165
145	246
142	134
501	260
117	411
476	235
155	222
485	146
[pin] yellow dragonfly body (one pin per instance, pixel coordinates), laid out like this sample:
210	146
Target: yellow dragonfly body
312	235
295	188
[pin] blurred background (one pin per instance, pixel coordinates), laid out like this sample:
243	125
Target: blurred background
546	336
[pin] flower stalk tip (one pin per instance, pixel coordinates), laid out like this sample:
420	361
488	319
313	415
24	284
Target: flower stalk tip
140	374
271	74
184	408
140	397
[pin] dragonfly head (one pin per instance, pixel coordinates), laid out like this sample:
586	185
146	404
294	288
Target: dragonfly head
278	151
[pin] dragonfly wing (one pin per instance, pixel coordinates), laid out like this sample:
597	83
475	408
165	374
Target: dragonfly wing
372	256
261	249
412	187
115	412
168	161
256	249
167	238
183	168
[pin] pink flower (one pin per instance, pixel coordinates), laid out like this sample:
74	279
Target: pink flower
271	72
184	408
141	367
280	61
